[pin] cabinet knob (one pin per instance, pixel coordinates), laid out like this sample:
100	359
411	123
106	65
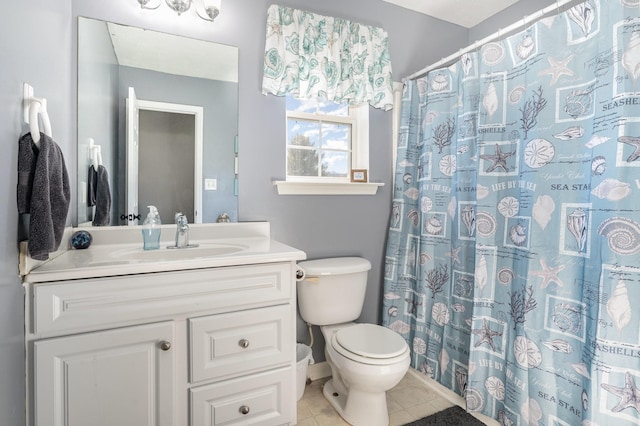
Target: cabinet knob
244	410
165	346
244	343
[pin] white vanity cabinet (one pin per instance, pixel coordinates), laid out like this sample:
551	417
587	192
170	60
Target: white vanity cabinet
206	346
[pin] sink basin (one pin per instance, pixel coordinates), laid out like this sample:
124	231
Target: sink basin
163	254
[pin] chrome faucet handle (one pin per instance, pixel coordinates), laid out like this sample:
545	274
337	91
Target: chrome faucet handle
181	219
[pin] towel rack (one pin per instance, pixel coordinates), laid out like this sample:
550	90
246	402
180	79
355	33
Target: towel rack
95	152
34	107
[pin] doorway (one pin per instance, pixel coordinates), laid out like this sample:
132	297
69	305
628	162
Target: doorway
164	159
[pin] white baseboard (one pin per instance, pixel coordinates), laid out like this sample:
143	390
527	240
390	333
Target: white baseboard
451	396
319	370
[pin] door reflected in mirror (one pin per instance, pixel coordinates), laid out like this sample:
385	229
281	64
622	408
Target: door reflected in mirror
164	133
193	81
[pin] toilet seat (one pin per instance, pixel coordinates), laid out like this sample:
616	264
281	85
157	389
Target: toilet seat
369	344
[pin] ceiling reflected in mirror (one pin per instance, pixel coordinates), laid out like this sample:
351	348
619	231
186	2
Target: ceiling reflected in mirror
162	52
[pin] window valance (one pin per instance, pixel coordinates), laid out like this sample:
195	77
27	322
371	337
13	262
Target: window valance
309	55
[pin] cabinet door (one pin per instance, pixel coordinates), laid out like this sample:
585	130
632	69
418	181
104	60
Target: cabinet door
121	377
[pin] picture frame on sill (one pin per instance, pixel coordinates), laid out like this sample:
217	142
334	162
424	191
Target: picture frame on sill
359	175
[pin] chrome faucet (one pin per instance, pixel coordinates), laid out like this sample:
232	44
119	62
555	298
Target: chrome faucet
182	231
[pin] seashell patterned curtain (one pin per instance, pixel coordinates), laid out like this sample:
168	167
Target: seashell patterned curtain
513	256
313	56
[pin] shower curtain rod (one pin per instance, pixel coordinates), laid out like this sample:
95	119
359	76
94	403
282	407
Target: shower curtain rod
498	34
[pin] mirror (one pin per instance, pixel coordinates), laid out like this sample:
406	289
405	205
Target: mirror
159	114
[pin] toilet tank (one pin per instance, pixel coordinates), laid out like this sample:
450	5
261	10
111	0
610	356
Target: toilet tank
332	290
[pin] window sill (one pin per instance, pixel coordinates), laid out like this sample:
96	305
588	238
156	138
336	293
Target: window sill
326	188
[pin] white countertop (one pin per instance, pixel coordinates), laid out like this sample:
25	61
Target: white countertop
118	251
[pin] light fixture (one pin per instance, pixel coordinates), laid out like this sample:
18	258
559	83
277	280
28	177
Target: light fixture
211	7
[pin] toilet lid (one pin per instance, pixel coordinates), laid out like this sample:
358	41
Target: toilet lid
371	341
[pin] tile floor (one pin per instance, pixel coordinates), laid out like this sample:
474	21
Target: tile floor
408	401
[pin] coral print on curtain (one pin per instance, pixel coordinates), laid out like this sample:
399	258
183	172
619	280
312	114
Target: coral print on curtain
513	257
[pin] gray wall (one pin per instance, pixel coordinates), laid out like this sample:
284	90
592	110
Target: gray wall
321	225
35	48
325	226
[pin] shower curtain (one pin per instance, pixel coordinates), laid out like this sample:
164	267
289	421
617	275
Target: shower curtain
513	257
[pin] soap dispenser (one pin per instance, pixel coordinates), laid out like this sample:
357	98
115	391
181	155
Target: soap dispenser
151	229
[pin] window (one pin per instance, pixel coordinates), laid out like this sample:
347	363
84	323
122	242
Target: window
325	141
322	140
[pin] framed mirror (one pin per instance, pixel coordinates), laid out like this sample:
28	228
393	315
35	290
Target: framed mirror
158	117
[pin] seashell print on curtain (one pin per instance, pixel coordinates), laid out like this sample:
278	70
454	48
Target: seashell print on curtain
518	190
308	55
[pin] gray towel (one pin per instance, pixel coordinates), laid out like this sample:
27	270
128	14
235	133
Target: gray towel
43	192
101	196
91	186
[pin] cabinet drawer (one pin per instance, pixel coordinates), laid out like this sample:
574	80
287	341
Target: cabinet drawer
95	304
261	399
231	344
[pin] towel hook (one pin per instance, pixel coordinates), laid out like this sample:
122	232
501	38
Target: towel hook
95	153
98	156
34	107
38	107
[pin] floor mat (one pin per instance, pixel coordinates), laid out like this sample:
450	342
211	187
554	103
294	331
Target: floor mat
453	416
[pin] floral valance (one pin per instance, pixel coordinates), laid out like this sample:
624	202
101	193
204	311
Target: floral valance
308	56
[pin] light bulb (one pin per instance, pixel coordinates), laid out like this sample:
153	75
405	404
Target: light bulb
212	8
180	6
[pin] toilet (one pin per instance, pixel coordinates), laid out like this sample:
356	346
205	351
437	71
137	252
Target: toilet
366	360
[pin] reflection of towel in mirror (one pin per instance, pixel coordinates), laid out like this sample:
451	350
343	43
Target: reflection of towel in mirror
43	192
99	195
91	187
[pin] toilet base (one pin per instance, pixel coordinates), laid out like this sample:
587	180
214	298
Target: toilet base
358	408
